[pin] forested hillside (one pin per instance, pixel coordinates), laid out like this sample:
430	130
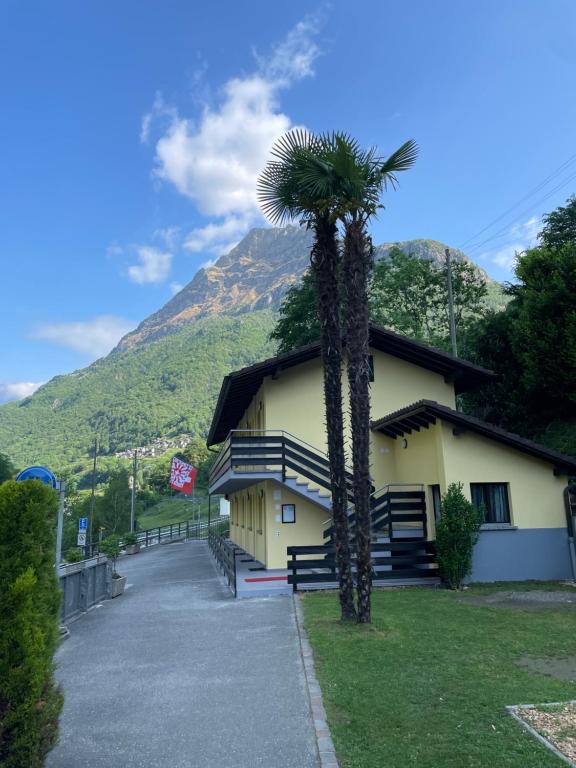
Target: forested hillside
163	378
167	387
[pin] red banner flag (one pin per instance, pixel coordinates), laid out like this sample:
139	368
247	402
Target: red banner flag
182	476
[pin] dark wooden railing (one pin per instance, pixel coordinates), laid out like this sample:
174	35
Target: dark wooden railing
390	505
224	552
249	451
395	560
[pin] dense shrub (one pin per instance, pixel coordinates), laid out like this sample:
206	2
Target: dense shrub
74	555
30	703
456	535
110	547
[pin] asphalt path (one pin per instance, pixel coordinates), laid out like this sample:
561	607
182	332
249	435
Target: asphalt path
175	673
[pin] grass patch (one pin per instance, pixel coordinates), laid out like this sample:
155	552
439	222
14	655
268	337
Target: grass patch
427	684
174	510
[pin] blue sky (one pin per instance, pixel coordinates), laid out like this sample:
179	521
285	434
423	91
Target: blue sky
133	132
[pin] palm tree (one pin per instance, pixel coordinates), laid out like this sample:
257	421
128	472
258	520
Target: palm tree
284	196
357	179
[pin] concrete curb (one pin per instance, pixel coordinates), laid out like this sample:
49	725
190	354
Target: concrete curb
324	741
516	709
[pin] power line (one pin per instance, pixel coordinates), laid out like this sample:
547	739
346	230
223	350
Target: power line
506	229
536	189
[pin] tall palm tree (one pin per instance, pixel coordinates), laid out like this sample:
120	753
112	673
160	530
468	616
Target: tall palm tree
284	196
363	178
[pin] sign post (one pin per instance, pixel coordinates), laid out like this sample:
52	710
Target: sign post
83	535
60	524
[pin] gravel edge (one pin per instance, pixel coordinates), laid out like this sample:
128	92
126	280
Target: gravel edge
514	710
324	741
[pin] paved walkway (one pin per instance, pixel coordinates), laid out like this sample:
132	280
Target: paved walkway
178	674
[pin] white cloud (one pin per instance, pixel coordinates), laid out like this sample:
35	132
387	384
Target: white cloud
215	160
154	265
18	390
94	338
114	250
159	110
218	237
169	236
175	288
520	237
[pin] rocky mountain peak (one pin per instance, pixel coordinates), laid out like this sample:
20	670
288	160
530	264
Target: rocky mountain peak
255	274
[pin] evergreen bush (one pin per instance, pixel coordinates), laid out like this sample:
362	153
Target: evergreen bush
110	547
456	535
130	539
74	555
30	702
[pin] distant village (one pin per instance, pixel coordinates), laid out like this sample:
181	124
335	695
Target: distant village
158	447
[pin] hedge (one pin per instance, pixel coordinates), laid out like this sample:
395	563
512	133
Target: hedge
30	702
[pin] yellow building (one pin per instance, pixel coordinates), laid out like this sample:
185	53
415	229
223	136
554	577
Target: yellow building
273	468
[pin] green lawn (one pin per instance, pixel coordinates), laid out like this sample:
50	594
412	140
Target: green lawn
174	510
427	683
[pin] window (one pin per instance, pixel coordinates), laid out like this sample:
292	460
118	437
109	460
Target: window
436	501
493	499
288	513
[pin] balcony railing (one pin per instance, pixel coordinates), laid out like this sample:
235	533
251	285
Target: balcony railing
247	452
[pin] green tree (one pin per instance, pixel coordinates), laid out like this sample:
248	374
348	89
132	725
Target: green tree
30	702
544	330
531	344
284	194
298	323
560	226
112	508
406	294
7	470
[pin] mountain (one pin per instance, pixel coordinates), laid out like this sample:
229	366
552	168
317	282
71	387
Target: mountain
164	388
163	378
254	275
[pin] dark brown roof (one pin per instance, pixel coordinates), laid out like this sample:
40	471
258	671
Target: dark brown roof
239	387
426	412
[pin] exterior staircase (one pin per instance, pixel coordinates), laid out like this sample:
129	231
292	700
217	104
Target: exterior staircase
401	551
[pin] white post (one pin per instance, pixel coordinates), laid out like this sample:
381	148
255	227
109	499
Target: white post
60	524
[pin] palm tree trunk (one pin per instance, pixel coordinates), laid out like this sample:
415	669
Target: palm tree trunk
324	260
357	265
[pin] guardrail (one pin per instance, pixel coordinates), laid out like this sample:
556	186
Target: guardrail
83	585
225	555
183	529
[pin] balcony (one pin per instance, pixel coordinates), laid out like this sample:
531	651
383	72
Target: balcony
251	456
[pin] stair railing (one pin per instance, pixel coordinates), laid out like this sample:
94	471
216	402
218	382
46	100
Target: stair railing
381	512
251	450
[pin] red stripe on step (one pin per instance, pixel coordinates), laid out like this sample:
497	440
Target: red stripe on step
269	578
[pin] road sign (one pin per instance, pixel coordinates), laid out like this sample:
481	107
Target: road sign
38	473
81	540
83	524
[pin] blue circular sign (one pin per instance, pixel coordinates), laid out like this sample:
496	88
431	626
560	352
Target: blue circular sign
38	473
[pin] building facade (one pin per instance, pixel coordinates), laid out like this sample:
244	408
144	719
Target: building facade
273	467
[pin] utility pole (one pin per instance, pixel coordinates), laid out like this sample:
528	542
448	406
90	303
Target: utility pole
88	547
451	303
60	524
133	497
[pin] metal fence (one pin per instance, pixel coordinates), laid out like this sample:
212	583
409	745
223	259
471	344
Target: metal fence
83	585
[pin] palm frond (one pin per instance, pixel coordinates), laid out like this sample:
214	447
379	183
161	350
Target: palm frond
401	160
